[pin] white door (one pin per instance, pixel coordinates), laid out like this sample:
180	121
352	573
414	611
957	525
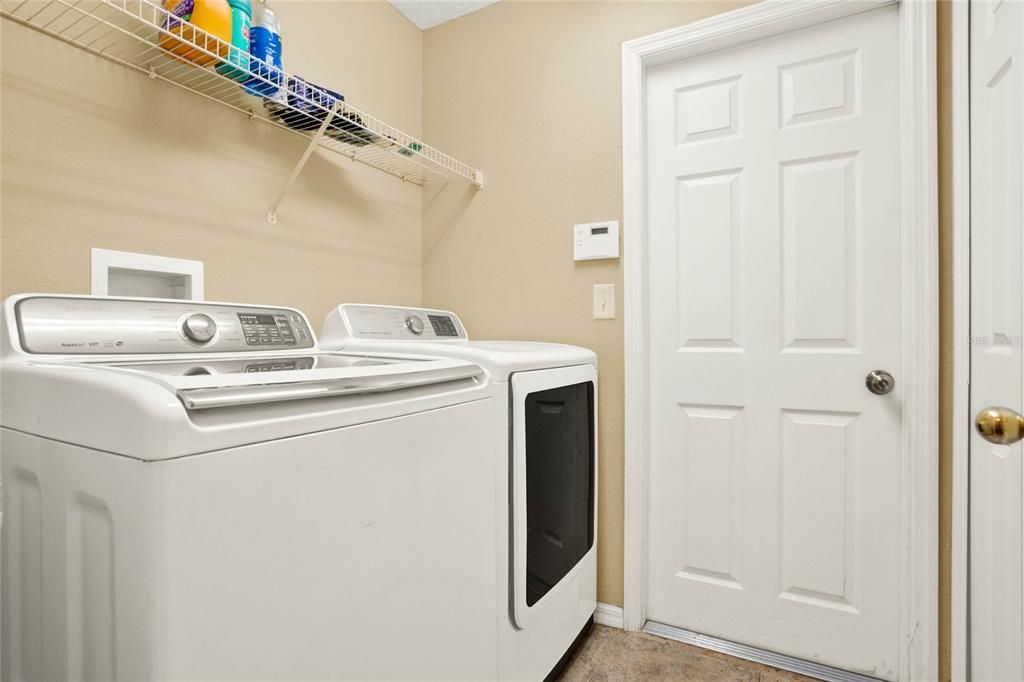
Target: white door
774	275
997	375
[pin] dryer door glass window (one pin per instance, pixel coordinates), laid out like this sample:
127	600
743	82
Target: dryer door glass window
559	484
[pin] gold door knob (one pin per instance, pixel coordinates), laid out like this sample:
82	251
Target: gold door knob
1000	425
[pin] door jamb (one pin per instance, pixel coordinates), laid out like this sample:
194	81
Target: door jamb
961	273
919	253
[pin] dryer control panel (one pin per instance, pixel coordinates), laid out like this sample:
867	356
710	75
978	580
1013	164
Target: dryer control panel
82	325
393	323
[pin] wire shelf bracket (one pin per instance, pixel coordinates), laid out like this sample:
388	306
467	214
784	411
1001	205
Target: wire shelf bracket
314	142
130	33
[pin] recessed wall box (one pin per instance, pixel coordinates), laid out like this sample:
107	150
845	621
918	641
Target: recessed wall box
593	241
121	273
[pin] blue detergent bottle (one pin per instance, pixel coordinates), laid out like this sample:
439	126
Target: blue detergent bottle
265	71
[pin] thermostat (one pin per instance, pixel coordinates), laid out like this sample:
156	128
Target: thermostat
592	241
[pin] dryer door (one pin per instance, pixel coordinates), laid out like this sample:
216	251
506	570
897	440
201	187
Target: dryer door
554	476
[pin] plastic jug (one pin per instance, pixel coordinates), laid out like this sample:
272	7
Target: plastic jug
211	16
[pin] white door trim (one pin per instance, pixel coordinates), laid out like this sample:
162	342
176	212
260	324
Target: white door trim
961	272
919	240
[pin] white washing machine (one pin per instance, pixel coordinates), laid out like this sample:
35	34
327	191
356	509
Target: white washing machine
545	491
196	491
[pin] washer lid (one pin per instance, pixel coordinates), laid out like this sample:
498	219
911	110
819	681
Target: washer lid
203	383
440	333
154	409
156	379
502	358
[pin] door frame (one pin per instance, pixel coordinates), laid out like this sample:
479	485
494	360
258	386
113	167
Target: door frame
919	521
961	395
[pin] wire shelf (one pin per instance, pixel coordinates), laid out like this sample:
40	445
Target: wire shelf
129	32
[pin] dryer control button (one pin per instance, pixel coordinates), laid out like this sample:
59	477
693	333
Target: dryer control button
199	328
414	323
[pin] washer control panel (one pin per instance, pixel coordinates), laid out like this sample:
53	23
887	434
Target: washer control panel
73	325
387	322
273	329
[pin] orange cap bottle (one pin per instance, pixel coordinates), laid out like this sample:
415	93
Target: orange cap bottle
211	17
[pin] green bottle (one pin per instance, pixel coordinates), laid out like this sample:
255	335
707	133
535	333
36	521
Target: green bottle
237	64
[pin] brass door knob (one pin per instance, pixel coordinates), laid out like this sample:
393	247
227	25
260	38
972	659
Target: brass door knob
1000	425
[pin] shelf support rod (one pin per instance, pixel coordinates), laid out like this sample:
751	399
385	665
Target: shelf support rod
313	142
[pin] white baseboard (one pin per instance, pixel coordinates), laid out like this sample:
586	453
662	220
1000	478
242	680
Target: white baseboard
609	615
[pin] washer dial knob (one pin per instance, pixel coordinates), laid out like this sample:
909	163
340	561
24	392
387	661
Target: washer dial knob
199	328
414	323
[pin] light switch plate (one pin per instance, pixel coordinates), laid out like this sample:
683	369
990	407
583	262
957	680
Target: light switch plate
604	301
593	241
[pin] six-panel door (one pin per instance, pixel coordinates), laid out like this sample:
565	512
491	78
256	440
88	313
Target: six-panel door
997	326
774	289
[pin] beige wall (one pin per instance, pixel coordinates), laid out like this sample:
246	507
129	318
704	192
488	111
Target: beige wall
94	155
530	92
945	139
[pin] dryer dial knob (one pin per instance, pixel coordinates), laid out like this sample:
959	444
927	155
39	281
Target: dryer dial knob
414	323
199	328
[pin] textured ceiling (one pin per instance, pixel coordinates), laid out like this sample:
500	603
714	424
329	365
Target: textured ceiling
430	13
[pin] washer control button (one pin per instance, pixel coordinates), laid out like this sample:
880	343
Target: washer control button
414	323
199	327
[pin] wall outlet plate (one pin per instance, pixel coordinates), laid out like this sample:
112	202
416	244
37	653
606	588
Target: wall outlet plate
594	241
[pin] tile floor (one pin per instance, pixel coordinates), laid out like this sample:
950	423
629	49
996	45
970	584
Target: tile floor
612	655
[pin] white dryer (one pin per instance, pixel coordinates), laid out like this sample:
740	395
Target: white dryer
546	489
196	491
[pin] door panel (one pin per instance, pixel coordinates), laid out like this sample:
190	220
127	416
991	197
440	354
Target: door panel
711	439
708	276
820	235
774	260
997	376
819	486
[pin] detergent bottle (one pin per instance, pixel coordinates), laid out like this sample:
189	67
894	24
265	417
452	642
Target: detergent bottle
185	16
265	75
237	64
